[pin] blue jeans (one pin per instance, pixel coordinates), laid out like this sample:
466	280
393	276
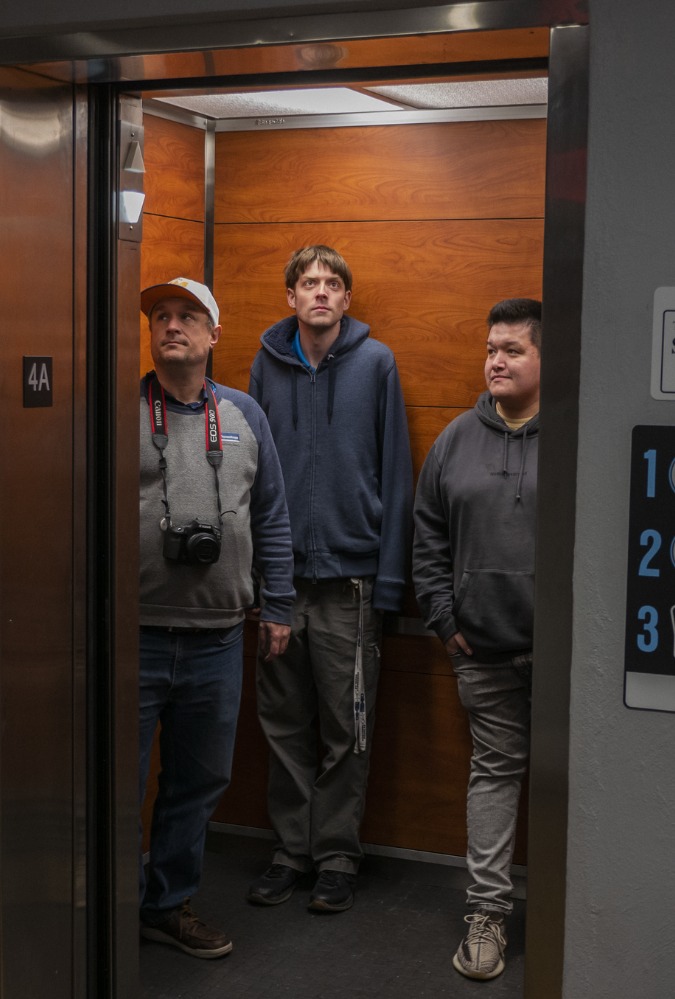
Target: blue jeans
498	701
190	682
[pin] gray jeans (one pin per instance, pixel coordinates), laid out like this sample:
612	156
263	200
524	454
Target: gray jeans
497	699
317	774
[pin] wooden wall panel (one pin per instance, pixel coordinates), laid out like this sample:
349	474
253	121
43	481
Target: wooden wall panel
174	164
173	213
420	762
245	802
420	757
421	754
424	425
459	170
172	247
424	287
438	222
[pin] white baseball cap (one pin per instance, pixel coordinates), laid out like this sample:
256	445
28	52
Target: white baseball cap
180	287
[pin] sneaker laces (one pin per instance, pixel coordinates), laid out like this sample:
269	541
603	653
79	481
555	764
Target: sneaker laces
330	878
484	926
276	871
190	916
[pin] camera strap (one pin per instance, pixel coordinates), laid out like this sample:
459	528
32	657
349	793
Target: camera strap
159	428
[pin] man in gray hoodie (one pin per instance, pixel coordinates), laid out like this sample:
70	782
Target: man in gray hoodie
473	569
334	404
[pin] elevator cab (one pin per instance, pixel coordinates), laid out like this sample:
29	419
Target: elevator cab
438	211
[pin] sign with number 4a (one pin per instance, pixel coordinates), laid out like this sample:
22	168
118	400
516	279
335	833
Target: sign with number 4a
37	382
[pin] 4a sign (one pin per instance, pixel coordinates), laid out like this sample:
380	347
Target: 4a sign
37	382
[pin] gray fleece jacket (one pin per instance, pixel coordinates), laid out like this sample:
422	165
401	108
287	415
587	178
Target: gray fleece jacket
473	551
255	526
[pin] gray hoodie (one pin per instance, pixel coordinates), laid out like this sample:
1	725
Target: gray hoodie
473	553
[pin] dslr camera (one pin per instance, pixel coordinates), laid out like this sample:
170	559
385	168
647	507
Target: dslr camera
192	544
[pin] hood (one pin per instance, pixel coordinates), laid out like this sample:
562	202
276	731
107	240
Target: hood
278	341
486	410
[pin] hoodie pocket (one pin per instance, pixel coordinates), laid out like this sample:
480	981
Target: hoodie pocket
495	609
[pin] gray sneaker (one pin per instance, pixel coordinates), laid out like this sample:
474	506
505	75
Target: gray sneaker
183	929
481	952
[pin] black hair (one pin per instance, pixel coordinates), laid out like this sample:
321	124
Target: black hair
518	310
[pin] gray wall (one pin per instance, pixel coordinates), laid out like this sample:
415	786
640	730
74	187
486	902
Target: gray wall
621	865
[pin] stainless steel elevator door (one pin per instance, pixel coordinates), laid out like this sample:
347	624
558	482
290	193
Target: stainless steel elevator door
68	549
42	751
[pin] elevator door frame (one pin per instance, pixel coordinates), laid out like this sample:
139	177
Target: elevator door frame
95	60
562	291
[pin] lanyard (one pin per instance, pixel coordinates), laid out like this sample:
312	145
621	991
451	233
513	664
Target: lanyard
160	434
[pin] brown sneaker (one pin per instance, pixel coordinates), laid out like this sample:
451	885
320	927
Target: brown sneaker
183	929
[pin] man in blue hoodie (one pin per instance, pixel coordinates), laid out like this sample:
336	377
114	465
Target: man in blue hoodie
473	569
334	403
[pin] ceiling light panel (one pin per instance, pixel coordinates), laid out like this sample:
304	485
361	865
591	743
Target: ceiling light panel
261	104
476	93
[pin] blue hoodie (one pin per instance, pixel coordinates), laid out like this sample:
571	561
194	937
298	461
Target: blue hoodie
342	438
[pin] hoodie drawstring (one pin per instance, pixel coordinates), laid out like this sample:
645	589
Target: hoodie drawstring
505	461
330	359
505	457
521	472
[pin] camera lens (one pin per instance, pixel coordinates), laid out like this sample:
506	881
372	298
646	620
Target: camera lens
203	548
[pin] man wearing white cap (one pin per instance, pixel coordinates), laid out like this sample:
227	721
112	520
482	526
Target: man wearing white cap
211	506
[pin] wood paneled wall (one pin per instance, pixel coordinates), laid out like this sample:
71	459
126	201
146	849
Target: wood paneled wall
173	245
173	215
437	222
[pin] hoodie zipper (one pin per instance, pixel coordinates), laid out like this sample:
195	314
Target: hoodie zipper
312	473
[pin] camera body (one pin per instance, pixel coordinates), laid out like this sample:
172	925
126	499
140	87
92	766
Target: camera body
192	544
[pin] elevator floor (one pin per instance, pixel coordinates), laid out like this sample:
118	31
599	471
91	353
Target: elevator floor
396	942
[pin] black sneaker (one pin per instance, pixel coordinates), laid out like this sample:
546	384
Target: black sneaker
183	929
274	886
333	892
481	953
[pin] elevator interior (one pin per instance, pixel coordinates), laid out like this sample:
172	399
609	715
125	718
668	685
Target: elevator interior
68	797
415	194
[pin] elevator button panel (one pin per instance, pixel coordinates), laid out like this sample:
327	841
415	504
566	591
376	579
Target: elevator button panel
650	592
